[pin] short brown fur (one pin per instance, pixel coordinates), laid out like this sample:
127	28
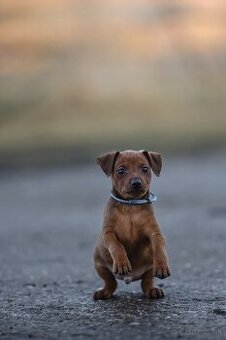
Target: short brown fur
131	246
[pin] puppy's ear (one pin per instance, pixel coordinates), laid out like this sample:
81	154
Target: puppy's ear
107	162
155	161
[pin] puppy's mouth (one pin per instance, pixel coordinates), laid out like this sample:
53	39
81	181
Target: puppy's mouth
135	193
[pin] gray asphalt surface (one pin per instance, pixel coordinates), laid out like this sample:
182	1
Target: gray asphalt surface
49	222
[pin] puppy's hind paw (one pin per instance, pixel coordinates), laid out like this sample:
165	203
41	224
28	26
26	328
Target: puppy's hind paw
102	294
154	293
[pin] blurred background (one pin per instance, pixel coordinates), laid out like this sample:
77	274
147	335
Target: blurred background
82	77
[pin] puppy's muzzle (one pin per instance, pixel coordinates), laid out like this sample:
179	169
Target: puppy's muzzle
136	184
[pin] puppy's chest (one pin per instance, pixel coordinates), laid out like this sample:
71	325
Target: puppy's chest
131	228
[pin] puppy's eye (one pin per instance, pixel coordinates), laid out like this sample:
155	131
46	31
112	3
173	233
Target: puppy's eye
121	171
145	169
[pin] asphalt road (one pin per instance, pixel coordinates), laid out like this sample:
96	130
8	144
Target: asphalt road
49	222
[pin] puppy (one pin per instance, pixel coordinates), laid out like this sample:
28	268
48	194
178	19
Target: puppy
131	246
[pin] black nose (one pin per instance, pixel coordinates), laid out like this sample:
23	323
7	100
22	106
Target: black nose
136	183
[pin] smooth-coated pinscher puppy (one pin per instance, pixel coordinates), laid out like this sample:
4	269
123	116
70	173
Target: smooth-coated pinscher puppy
131	246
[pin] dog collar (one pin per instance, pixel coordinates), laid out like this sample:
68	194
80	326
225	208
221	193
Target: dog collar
150	199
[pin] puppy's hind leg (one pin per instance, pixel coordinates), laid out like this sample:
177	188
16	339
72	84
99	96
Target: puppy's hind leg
148	288
110	283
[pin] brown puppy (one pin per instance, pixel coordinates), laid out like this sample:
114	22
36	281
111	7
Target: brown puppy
131	246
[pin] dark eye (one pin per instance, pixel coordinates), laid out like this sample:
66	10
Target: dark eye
145	169
121	171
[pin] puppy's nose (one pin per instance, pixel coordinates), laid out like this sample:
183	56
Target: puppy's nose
136	183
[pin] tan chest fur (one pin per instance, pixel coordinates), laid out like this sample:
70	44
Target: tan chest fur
131	224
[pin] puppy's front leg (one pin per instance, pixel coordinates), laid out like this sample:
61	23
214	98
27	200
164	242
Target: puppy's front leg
160	260
121	263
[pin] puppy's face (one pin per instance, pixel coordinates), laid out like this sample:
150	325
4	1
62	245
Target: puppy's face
131	171
131	175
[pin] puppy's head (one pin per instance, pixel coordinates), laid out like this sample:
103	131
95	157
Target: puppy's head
131	171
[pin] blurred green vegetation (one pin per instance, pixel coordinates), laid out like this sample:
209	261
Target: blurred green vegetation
81	78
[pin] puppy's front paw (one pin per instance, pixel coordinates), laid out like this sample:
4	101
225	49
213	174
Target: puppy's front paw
121	267
161	271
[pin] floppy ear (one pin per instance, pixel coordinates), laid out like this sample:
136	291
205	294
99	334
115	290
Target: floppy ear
155	161
107	162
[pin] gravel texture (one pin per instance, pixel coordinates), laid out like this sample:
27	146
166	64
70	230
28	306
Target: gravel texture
49	223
